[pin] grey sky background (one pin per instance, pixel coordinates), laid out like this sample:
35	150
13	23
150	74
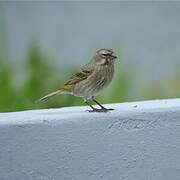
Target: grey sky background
147	34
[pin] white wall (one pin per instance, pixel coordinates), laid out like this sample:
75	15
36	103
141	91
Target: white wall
145	34
138	141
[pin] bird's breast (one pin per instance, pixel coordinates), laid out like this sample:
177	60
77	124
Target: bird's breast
100	78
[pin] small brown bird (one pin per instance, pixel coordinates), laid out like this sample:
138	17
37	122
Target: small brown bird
92	78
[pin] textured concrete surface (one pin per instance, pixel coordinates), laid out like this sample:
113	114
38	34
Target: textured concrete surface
138	141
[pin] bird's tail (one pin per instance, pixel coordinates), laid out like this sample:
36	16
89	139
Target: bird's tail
60	91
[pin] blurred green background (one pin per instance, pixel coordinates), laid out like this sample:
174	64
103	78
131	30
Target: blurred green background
39	72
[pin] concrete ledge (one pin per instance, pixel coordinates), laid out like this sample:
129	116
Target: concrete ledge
137	141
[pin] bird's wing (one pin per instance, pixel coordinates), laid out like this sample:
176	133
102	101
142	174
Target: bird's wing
80	76
86	70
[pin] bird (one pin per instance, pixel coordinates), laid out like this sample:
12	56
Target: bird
90	80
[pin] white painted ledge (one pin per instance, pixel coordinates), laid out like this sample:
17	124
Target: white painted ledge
137	141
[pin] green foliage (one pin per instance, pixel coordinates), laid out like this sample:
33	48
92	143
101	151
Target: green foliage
7	93
41	76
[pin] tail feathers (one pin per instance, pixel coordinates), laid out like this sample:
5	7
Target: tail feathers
49	95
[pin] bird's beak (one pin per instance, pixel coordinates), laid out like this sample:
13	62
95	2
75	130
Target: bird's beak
113	56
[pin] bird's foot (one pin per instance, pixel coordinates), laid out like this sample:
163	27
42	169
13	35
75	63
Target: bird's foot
100	110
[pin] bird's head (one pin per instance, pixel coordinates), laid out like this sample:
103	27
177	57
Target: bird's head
104	56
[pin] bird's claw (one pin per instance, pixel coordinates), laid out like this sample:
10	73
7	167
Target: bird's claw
100	110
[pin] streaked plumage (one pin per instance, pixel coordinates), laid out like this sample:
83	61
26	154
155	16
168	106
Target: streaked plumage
92	78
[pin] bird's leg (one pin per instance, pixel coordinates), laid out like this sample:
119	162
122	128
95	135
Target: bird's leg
94	109
102	107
